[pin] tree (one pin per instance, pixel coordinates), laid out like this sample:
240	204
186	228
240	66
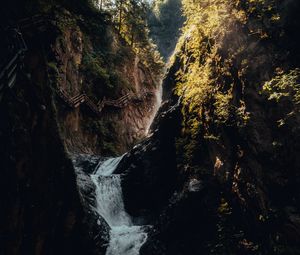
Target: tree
165	20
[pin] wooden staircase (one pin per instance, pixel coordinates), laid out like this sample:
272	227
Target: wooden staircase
8	74
38	21
76	101
11	66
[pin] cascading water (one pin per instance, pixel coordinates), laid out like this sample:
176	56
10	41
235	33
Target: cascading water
158	98
125	237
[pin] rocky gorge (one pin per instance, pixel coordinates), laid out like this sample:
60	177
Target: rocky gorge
206	165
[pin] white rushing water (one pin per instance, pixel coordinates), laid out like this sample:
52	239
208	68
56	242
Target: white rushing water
125	237
156	106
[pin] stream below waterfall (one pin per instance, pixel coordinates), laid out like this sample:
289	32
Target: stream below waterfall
125	237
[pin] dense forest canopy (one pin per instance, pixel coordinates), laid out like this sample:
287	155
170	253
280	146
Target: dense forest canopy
129	17
165	19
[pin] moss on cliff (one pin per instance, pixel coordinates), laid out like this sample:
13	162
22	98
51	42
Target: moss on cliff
238	82
89	56
223	46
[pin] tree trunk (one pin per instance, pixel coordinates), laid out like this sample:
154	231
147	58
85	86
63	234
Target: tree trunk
132	35
120	16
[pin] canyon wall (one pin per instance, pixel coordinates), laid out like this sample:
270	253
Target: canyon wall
42	211
230	174
99	63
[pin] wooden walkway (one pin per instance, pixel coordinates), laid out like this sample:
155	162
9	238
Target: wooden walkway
121	102
16	48
8	74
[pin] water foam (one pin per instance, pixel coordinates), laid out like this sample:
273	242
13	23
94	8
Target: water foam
125	237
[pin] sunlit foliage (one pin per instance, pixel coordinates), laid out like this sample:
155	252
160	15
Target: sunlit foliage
285	86
218	52
201	81
129	18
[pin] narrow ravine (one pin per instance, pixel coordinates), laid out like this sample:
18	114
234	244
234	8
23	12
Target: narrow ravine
125	237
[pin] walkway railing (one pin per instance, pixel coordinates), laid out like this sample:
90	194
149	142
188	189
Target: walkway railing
38	20
16	43
121	102
8	74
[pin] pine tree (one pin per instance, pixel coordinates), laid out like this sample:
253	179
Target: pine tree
165	20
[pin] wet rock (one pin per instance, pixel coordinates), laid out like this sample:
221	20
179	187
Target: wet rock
149	170
187	223
96	227
195	185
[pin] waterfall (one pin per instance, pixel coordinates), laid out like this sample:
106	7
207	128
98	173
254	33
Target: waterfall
125	237
158	99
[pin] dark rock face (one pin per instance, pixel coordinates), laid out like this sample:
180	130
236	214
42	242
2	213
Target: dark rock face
156	192
40	208
96	226
149	170
41	212
184	226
